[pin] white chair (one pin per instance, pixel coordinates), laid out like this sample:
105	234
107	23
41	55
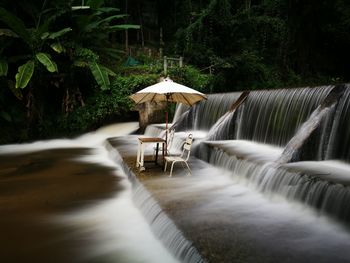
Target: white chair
183	158
168	145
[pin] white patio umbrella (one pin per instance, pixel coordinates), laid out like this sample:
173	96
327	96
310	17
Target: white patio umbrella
169	91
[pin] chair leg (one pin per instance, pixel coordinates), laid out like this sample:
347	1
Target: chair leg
171	170
188	168
166	163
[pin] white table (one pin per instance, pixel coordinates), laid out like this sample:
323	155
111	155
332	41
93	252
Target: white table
141	150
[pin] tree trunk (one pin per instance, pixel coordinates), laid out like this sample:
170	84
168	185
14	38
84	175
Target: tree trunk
126	31
141	26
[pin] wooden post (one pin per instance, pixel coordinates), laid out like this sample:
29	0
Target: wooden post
181	62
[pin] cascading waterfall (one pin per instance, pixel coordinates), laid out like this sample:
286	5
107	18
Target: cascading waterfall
181	112
306	124
204	114
274	116
297	148
104	227
339	142
162	226
223	129
294	183
261	118
155	130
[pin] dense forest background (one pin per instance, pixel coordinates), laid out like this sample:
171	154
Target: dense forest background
67	67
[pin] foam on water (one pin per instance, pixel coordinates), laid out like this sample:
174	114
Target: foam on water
249	150
231	210
334	171
91	139
114	230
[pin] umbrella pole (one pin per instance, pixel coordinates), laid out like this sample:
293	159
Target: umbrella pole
166	125
166	132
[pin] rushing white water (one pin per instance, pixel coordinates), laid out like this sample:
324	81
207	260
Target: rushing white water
303	133
222	128
87	140
273	116
119	129
320	185
117	232
240	197
225	212
114	230
158	130
306	123
179	112
333	171
339	142
204	114
248	150
293	204
285	230
164	228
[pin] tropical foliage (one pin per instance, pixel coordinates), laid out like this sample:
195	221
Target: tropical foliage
62	67
266	44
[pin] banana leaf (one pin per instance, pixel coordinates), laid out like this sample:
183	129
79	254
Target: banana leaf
59	33
100	74
123	27
7	32
97	24
25	73
57	47
46	60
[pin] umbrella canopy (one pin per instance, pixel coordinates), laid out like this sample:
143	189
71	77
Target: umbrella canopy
169	91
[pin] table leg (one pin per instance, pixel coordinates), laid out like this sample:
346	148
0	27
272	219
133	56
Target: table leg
142	168
138	154
164	145
157	148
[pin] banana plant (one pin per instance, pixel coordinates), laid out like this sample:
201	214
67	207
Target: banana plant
90	31
94	28
34	40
